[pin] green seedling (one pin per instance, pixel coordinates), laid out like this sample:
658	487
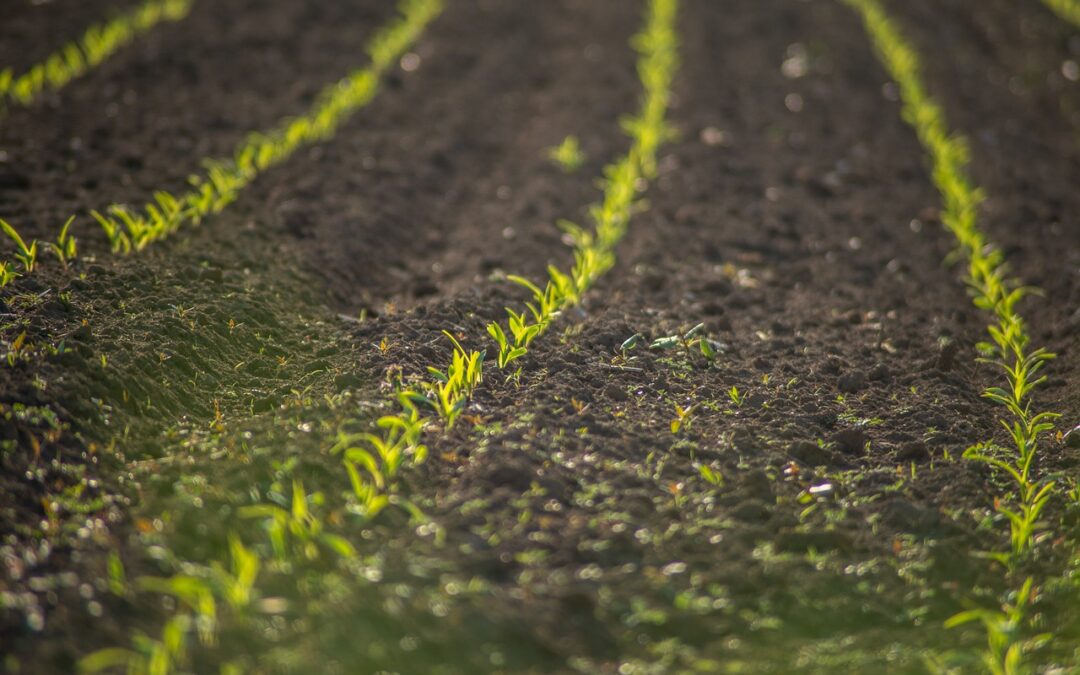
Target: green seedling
300	524
994	292
682	418
568	154
7	273
1006	644
711	476
736	397
27	255
65	248
694	340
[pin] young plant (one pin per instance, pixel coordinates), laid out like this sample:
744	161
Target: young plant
736	397
64	248
568	154
682	418
27	255
694	340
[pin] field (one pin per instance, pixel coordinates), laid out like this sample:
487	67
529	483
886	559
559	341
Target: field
574	336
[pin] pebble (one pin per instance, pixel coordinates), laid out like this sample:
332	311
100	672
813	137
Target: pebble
851	441
852	382
811	454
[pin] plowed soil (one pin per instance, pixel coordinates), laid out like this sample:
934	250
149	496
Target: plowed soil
568	527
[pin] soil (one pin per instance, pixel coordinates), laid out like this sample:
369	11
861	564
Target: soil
567	527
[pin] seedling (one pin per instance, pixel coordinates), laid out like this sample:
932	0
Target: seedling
7	273
694	340
64	248
682	418
736	397
568	154
711	475
27	255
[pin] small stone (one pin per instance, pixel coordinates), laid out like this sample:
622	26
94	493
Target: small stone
913	451
852	382
851	441
879	373
811	454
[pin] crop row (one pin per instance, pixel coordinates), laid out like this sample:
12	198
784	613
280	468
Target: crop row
222	180
371	461
1008	347
96	44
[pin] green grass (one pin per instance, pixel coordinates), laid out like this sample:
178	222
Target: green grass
97	44
1008	347
221	183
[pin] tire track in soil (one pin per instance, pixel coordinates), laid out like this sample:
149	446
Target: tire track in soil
786	201
387	214
1002	86
190	90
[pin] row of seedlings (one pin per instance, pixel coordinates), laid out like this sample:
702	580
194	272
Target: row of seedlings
372	460
1008	348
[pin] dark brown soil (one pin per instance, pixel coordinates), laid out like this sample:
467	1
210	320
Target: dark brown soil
575	532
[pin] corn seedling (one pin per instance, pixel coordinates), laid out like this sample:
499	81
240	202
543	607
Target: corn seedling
992	292
736	397
694	340
223	180
568	154
1068	10
1004	627
7	273
449	390
65	248
623	180
711	476
27	255
98	43
683	418
300	524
